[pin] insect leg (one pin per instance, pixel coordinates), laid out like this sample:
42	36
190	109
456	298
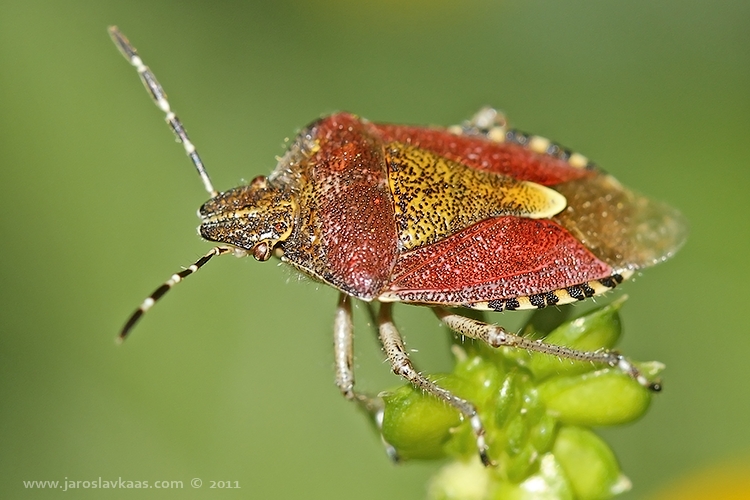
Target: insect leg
165	287
401	365
343	351
497	336
487	122
343	346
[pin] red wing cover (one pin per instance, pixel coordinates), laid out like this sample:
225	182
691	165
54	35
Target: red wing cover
497	258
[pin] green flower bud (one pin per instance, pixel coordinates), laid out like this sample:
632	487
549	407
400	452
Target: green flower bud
590	466
419	425
542	435
519	466
509	397
516	434
483	378
602	397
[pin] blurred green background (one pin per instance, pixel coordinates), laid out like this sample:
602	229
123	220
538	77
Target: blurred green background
230	378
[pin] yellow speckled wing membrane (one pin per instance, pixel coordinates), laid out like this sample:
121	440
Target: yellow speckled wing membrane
435	197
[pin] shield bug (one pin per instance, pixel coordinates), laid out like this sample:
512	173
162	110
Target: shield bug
477	216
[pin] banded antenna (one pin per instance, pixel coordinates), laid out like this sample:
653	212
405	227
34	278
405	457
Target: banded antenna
160	99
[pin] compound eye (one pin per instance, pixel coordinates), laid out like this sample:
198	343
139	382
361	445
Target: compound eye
262	251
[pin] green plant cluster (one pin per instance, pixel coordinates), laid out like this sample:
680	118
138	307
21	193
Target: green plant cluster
537	410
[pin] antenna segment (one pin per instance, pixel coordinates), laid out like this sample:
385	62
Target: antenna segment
160	99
